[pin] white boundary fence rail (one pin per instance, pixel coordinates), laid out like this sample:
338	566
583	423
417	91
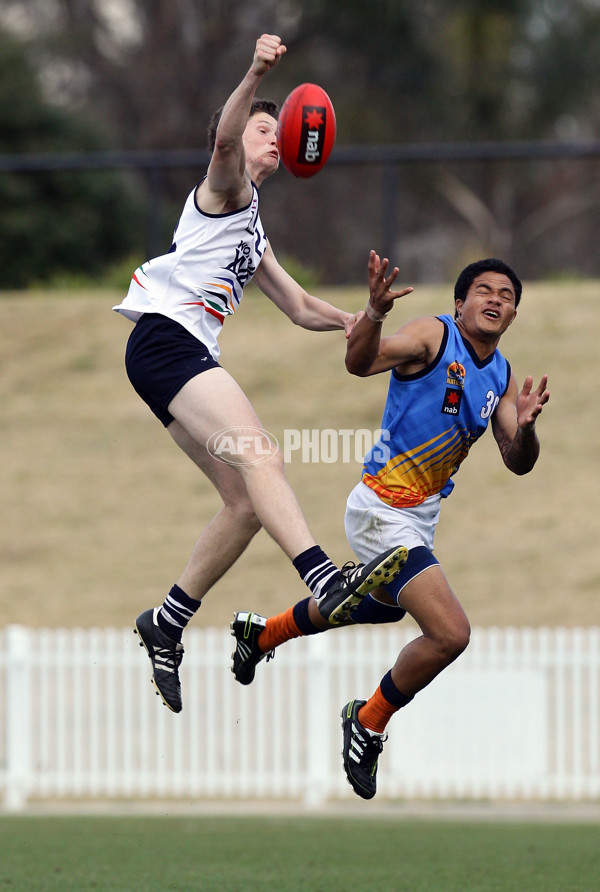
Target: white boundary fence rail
517	716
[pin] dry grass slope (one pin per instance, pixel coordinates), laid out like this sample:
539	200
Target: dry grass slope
100	509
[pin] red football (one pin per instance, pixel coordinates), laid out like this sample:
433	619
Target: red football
306	130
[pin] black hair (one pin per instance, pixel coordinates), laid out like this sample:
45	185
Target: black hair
491	265
258	105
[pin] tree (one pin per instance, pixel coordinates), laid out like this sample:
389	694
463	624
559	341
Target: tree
398	71
52	222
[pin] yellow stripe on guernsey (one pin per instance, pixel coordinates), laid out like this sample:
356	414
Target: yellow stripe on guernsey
407	480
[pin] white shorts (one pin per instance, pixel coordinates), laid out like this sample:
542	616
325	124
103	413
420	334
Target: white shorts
372	526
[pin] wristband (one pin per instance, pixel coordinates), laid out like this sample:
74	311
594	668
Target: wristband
373	315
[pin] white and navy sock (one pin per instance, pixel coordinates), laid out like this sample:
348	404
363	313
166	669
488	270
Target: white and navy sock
316	570
176	612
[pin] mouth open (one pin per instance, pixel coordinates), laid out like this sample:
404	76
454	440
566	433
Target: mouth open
491	314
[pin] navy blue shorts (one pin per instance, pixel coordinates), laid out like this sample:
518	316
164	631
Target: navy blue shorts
419	558
371	611
161	357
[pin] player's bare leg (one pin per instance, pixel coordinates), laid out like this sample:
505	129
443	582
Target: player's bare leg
209	403
212	402
433	605
229	532
445	634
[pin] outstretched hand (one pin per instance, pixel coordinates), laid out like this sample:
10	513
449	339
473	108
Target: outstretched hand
381	298
531	402
269	50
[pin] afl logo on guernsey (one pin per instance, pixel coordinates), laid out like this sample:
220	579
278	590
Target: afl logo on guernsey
455	376
455	379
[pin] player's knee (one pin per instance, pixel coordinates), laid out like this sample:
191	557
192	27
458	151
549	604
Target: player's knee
461	639
262	456
453	641
245	448
251	522
276	459
247	518
243	512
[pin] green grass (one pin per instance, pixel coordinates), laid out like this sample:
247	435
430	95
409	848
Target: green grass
275	854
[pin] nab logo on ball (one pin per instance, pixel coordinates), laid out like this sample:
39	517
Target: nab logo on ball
312	137
306	130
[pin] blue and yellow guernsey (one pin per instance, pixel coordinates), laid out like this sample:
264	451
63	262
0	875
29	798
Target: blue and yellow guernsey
431	419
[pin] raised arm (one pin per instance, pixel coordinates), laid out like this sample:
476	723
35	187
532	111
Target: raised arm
410	349
513	424
227	184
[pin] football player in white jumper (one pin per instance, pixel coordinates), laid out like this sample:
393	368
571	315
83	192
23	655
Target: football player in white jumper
179	302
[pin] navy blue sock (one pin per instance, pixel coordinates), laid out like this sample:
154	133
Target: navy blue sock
176	612
316	570
391	692
371	611
302	619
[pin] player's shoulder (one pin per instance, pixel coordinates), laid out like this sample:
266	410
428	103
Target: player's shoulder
423	328
415	344
216	196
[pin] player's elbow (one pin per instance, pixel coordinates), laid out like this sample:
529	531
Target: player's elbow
294	316
356	367
299	311
521	465
226	143
520	470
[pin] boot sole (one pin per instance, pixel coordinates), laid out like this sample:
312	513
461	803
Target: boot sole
384	572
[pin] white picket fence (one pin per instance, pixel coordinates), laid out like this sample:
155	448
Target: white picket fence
517	716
